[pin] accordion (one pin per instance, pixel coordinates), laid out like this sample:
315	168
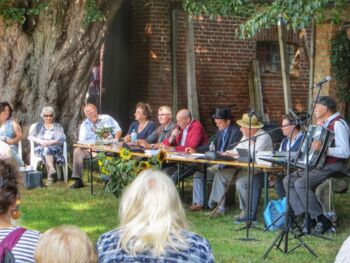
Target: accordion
316	158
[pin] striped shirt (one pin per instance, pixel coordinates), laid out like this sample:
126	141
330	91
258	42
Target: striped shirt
23	251
199	250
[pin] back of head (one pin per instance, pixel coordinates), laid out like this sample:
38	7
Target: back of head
156	216
9	185
65	244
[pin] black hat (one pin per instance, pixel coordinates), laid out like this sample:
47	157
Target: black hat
222	113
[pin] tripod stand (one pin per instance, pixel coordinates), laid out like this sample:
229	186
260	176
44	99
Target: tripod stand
289	222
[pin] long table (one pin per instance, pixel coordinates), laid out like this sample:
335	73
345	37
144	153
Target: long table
183	158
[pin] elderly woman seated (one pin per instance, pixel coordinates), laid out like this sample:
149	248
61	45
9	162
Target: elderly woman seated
154	227
48	138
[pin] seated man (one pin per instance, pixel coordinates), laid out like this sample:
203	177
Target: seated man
225	138
189	133
222	177
167	125
337	155
87	134
293	138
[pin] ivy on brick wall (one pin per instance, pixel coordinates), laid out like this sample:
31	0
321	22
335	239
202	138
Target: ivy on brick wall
340	63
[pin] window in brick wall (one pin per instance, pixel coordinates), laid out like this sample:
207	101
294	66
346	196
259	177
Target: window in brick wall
269	57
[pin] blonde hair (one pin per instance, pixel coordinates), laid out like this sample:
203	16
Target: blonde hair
65	244
151	215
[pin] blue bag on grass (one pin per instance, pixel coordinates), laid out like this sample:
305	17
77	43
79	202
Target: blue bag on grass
274	214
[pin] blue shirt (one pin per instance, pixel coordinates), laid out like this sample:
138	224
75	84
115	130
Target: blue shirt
199	250
87	132
147	131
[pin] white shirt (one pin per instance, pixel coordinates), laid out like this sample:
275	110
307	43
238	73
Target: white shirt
341	137
263	143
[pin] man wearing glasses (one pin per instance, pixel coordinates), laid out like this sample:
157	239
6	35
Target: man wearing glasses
167	125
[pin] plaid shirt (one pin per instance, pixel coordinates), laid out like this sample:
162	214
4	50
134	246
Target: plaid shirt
199	250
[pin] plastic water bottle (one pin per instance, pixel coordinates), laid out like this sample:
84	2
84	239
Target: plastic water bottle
211	147
133	136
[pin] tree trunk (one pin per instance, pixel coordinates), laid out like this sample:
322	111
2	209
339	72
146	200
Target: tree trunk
47	61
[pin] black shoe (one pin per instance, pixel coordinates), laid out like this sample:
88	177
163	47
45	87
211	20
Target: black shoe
323	227
312	224
77	184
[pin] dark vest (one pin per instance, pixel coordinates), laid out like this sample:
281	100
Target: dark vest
332	159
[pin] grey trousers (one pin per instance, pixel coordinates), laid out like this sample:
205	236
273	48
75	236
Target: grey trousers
242	189
322	192
298	191
79	155
221	179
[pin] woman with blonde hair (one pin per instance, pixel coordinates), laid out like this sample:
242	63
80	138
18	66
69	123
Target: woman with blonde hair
153	226
65	244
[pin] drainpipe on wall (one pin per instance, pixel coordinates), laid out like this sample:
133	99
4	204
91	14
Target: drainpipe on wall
173	60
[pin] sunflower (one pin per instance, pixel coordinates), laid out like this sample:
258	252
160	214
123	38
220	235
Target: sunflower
100	163
104	170
161	156
125	154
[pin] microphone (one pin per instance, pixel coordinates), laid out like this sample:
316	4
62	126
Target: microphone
321	82
253	112
298	120
172	138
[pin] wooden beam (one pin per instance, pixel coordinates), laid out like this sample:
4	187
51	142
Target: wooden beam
284	66
192	97
312	63
305	44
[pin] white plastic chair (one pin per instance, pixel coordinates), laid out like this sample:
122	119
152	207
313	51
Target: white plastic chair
34	160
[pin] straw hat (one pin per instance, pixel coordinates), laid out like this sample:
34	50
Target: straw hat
244	122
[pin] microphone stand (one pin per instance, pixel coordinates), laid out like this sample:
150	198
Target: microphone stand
288	221
250	178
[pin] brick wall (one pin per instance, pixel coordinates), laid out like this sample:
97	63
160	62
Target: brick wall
222	63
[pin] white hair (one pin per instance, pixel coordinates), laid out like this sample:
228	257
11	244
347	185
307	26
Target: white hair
151	215
47	109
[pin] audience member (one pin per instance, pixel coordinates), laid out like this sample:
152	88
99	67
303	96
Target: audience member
167	125
65	244
222	177
337	155
142	125
87	134
23	251
10	131
48	138
154	227
343	255
225	138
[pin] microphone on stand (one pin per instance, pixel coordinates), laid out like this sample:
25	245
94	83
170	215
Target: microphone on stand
321	82
299	120
257	114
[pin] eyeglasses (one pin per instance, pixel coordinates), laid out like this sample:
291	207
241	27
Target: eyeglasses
163	114
47	116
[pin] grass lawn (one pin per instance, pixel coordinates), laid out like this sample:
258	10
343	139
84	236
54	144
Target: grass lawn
44	208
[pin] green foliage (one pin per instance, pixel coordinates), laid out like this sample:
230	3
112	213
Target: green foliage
340	63
92	13
122	170
19	12
103	132
297	14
